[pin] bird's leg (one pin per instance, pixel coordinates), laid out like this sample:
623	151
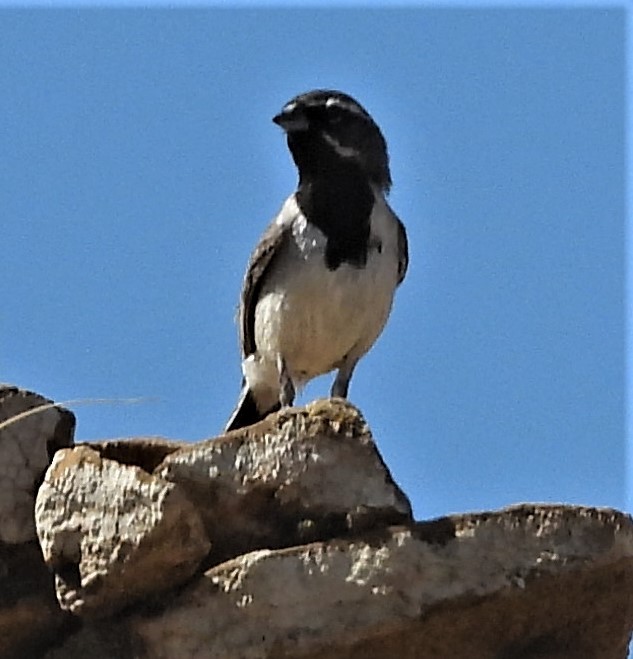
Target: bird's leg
343	377
286	385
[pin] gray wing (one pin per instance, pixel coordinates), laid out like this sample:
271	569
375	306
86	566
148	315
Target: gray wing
403	250
263	255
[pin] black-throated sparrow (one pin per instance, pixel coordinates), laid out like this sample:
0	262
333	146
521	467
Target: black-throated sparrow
320	283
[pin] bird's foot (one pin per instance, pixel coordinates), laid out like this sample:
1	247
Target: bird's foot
286	385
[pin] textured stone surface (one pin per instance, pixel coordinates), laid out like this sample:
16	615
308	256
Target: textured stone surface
27	443
300	475
144	452
125	526
113	533
30	617
526	582
98	639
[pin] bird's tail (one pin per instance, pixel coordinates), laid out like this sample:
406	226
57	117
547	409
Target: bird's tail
247	413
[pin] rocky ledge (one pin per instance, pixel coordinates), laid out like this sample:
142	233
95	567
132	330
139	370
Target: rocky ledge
287	539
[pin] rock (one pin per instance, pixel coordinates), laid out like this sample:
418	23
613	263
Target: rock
32	428
299	475
527	582
97	639
144	452
30	618
114	534
338	569
28	441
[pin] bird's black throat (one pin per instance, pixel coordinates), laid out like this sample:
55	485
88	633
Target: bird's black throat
335	195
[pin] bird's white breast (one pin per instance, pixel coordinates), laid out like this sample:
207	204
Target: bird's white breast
314	317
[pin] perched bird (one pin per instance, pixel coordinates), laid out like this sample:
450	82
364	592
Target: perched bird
320	283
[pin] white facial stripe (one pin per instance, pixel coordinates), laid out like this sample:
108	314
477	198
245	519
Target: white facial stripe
289	107
345	151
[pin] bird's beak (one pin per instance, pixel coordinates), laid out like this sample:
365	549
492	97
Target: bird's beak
291	119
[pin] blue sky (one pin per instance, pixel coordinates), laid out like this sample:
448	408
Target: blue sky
140	164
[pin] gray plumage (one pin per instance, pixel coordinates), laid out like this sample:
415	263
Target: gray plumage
320	283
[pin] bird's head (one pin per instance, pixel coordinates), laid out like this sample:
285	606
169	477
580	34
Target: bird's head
326	124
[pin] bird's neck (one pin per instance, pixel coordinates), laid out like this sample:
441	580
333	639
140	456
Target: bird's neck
315	158
337	197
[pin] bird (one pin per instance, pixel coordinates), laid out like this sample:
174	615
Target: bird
320	283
